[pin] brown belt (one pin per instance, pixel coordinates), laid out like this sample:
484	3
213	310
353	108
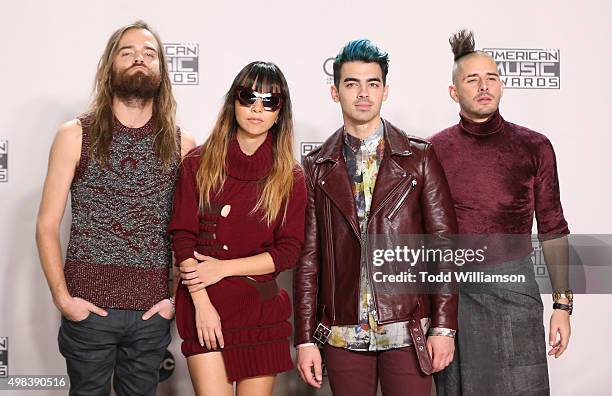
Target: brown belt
323	331
267	289
420	345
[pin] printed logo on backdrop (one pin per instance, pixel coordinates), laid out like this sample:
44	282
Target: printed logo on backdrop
3	160
307	147
3	357
183	63
537	258
166	368
528	68
328	69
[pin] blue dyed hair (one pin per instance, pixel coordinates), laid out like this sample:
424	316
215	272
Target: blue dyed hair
362	50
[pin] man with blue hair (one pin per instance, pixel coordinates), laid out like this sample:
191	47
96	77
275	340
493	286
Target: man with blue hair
368	181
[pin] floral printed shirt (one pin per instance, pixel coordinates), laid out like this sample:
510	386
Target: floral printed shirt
363	158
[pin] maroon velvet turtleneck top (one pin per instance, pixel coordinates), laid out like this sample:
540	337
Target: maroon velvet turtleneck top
500	174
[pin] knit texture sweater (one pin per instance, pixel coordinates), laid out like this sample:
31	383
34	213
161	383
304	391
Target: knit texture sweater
255	329
500	174
119	253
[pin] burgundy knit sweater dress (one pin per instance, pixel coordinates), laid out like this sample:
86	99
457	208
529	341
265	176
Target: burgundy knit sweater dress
254	321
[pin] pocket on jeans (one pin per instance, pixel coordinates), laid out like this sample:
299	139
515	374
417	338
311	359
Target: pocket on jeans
88	317
163	317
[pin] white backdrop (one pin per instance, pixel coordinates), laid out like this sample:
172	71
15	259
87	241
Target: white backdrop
50	52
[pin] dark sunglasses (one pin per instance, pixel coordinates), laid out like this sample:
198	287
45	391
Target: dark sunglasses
270	101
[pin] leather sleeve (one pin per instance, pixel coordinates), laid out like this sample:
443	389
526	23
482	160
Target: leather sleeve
440	223
306	274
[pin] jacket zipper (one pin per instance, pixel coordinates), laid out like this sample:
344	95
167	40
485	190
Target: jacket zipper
374	297
330	254
402	199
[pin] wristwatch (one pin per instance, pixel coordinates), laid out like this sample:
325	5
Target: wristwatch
566	294
565	307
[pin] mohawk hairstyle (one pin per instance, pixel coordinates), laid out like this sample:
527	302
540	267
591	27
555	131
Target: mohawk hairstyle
462	43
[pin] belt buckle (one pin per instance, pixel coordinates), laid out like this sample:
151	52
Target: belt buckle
321	334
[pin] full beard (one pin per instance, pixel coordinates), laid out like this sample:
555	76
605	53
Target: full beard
136	86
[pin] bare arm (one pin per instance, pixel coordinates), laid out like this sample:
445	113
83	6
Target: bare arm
208	322
260	264
556	254
63	160
187	143
198	275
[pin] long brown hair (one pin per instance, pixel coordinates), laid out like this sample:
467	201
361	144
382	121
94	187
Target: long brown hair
165	145
278	185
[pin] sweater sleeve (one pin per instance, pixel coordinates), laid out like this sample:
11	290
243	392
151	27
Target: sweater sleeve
184	224
548	210
289	234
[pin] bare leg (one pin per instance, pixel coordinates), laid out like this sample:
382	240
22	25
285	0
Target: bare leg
256	386
208	376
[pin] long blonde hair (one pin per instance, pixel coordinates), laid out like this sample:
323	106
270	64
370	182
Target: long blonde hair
166	145
278	185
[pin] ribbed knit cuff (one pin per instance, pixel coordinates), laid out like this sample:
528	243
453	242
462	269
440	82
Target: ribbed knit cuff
183	245
183	255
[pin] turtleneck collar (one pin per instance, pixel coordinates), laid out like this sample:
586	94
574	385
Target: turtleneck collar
249	167
492	126
142	131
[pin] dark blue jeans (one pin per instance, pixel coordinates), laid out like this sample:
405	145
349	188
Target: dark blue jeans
121	344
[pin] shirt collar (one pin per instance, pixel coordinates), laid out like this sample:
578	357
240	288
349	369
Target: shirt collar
370	143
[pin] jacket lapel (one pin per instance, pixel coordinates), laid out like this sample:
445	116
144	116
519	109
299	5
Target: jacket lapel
334	180
390	174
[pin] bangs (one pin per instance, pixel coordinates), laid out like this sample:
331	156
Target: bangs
263	77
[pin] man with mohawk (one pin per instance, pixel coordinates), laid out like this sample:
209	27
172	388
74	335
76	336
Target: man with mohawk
500	174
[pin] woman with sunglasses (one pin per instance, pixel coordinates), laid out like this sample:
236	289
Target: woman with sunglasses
237	222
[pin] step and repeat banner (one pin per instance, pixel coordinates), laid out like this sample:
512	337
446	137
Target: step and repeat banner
552	56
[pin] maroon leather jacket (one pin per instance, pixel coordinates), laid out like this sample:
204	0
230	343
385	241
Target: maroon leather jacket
411	197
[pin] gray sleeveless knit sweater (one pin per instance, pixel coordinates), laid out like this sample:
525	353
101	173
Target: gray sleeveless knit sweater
119	253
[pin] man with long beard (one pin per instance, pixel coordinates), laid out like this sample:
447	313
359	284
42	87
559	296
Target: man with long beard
500	174
119	162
